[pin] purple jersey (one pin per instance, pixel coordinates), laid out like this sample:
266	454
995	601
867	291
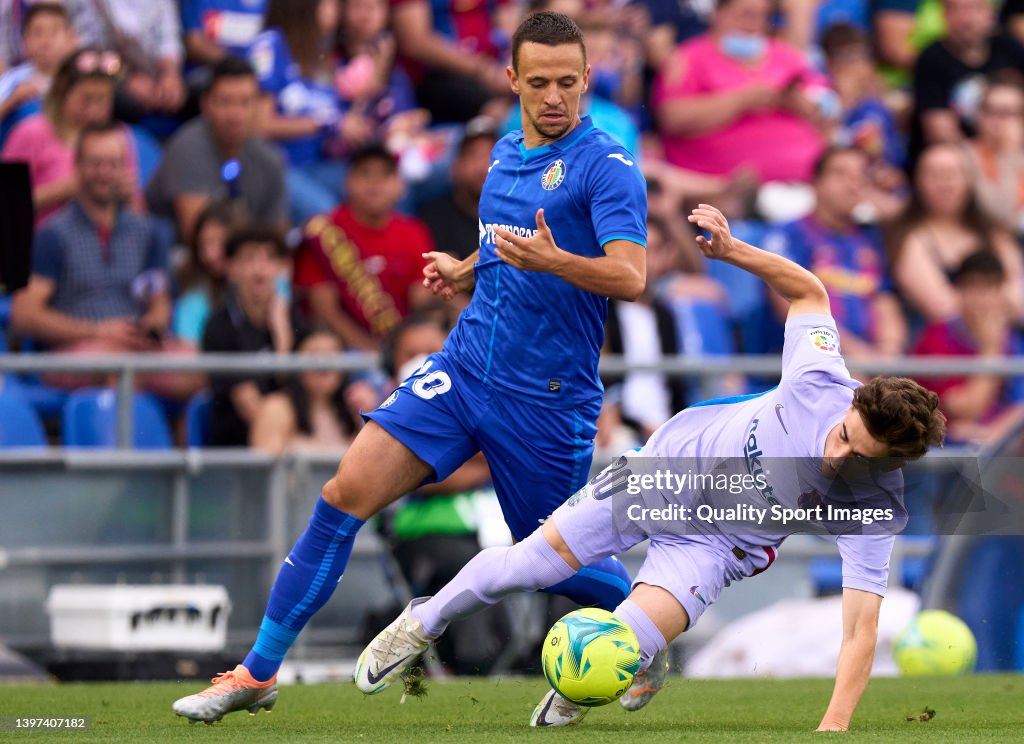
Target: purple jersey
790	421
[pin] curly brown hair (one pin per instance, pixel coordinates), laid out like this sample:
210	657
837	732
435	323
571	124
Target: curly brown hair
901	413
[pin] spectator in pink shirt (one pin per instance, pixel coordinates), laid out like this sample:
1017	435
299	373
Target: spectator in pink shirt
82	93
736	97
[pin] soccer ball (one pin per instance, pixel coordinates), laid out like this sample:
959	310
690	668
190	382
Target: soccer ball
590	657
936	642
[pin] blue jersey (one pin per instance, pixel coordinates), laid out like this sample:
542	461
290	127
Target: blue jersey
295	95
532	333
231	24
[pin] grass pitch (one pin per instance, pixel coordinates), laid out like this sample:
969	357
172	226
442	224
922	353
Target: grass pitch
967	709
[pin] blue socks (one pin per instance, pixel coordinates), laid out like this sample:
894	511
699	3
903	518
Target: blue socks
306	581
604	584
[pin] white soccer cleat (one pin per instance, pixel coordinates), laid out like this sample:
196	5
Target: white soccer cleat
392	652
555	710
647	683
229	692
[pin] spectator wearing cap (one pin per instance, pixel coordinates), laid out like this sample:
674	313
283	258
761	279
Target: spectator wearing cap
359	268
47	39
99	271
452	219
82	93
255	316
218	157
147	35
980	407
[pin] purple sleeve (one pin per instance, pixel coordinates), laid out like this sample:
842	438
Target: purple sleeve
812	348
866	561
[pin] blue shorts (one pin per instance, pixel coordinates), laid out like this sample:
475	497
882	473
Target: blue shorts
538	455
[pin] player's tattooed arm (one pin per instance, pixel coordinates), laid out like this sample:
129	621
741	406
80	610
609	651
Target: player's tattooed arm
447	276
620	274
860	635
798	286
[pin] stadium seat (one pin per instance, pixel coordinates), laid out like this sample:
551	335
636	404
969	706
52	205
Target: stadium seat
197	419
19	424
90	420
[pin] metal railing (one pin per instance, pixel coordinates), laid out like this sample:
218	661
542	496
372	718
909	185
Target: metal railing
709	369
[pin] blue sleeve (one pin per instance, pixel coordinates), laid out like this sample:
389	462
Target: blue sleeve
191	16
190	314
47	254
268	56
617	197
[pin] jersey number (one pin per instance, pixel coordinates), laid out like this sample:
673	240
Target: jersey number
434	384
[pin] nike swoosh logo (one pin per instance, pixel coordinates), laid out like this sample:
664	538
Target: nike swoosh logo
778	412
375	678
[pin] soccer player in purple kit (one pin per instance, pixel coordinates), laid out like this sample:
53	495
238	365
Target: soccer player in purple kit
818	414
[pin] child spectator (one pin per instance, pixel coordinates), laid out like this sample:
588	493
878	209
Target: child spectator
865	121
253	317
976	405
204	275
82	93
47	39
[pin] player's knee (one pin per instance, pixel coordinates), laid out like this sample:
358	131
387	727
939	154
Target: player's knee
346	496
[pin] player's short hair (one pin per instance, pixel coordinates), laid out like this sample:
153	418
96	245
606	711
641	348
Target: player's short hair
982	264
227	68
549	29
256	232
902	414
45	7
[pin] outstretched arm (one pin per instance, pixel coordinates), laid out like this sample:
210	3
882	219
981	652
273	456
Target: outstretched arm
860	635
799	287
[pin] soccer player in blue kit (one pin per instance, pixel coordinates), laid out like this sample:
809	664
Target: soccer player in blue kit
827	437
563	219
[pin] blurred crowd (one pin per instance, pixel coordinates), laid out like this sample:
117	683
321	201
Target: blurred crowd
265	175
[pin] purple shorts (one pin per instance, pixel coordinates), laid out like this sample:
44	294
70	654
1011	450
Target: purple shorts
692	568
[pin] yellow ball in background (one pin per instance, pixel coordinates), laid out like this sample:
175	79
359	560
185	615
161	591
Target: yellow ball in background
936	642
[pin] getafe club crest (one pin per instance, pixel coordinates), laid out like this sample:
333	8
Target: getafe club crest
553	176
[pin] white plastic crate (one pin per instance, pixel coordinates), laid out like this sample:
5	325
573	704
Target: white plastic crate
138	617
